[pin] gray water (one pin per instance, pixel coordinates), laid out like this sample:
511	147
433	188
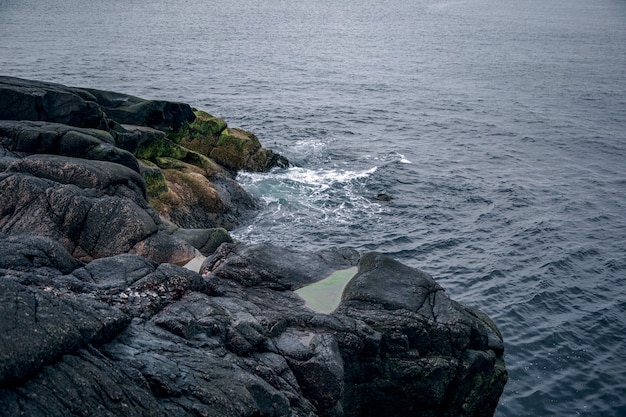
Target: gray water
498	127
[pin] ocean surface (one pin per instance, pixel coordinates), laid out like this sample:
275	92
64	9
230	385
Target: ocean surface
498	127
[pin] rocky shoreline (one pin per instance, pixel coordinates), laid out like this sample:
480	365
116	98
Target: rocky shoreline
103	196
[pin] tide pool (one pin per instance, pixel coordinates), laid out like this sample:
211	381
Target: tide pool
324	296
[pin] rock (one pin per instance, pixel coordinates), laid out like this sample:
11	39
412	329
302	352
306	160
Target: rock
235	149
405	347
35	100
383	197
97	319
157	114
201	198
228	343
434	354
205	240
238	149
75	216
112	178
37	329
25	252
30	138
275	267
186	187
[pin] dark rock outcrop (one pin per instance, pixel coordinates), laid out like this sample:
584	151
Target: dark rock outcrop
49	102
237	341
130	110
97	320
235	149
28	138
186	188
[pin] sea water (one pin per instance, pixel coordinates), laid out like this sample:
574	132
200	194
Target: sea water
497	127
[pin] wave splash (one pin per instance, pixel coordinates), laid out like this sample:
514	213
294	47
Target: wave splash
306	198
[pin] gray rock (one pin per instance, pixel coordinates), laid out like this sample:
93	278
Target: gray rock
276	267
438	357
36	100
37	328
158	114
90	223
29	138
205	240
167	341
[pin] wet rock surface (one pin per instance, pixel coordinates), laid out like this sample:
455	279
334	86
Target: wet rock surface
96	319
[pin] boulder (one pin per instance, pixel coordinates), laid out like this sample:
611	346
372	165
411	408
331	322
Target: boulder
131	110
235	149
36	100
200	197
30	138
94	217
165	142
434	357
205	240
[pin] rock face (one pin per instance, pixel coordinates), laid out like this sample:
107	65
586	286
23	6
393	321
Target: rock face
131	337
97	320
90	158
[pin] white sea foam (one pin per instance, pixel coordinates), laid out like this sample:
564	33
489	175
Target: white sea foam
320	179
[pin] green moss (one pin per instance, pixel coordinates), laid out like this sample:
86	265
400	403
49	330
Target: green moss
155	181
169	163
206	124
177	135
199	160
160	147
203	127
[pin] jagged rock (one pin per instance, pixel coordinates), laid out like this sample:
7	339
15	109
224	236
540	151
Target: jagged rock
89	222
438	357
201	198
275	267
25	252
186	187
238	341
406	347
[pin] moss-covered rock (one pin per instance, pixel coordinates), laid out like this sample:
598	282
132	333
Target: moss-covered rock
200	135
199	198
233	148
160	146
153	177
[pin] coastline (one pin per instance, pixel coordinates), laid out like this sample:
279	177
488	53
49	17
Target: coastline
104	192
